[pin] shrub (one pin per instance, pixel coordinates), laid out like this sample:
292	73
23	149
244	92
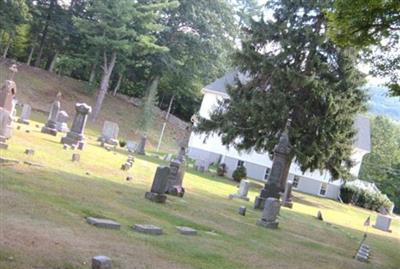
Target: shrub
239	173
221	170
364	198
122	143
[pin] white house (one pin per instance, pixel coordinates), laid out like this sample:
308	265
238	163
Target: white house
258	164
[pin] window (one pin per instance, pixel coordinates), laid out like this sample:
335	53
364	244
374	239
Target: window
296	181
240	163
267	171
322	191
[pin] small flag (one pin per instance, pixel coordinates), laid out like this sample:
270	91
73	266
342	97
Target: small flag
367	221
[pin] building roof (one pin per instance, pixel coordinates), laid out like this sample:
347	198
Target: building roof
220	85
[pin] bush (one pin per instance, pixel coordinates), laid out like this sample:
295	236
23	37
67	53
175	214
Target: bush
221	170
122	143
366	199
239	173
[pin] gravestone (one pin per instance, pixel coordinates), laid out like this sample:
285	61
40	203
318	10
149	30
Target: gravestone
242	210
30	152
243	190
101	262
75	137
76	157
51	124
109	134
186	230
25	114
175	178
276	180
270	214
383	223
103	223
156	194
148	229
62	119
140	149
200	165
7	108
131	146
319	215
168	157
287	196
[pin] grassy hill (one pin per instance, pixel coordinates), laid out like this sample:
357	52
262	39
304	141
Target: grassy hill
38	88
43	209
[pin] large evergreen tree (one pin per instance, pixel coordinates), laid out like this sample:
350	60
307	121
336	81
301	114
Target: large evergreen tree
295	73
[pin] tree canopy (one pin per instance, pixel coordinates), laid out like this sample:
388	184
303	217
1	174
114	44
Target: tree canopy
374	27
297	74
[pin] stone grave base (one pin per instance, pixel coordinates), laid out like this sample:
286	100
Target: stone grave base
287	204
148	229
72	142
176	191
267	224
103	223
235	195
50	131
23	121
156	197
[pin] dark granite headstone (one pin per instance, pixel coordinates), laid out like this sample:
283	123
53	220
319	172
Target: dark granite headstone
156	194
75	137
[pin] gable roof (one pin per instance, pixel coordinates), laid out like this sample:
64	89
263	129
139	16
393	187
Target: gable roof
220	85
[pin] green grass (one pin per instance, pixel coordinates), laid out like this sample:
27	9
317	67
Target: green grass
43	212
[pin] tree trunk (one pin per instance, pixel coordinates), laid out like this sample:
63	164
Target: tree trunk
44	32
118	84
92	72
105	79
53	62
28	62
6	49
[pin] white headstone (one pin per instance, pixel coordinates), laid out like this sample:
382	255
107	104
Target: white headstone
110	132
131	145
25	114
244	188
383	223
62	119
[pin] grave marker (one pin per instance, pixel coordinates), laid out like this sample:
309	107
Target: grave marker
156	194
75	137
25	114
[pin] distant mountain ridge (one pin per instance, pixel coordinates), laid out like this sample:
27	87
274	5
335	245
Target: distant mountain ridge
381	103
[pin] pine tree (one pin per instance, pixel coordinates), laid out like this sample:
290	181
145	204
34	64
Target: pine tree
296	73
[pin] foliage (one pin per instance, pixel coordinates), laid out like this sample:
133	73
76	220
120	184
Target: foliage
294	73
122	143
239	173
381	165
364	198
374	26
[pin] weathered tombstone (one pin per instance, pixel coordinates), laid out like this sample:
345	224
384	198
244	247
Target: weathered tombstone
103	223
109	134
319	215
148	229
131	146
280	168
75	136
30	152
76	157
62	119
383	223
101	262
156	194
243	190
186	230
270	214
175	178
242	210
7	108
140	149
200	165
25	114
51	124
287	196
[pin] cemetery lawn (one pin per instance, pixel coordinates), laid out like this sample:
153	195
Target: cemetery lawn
43	208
